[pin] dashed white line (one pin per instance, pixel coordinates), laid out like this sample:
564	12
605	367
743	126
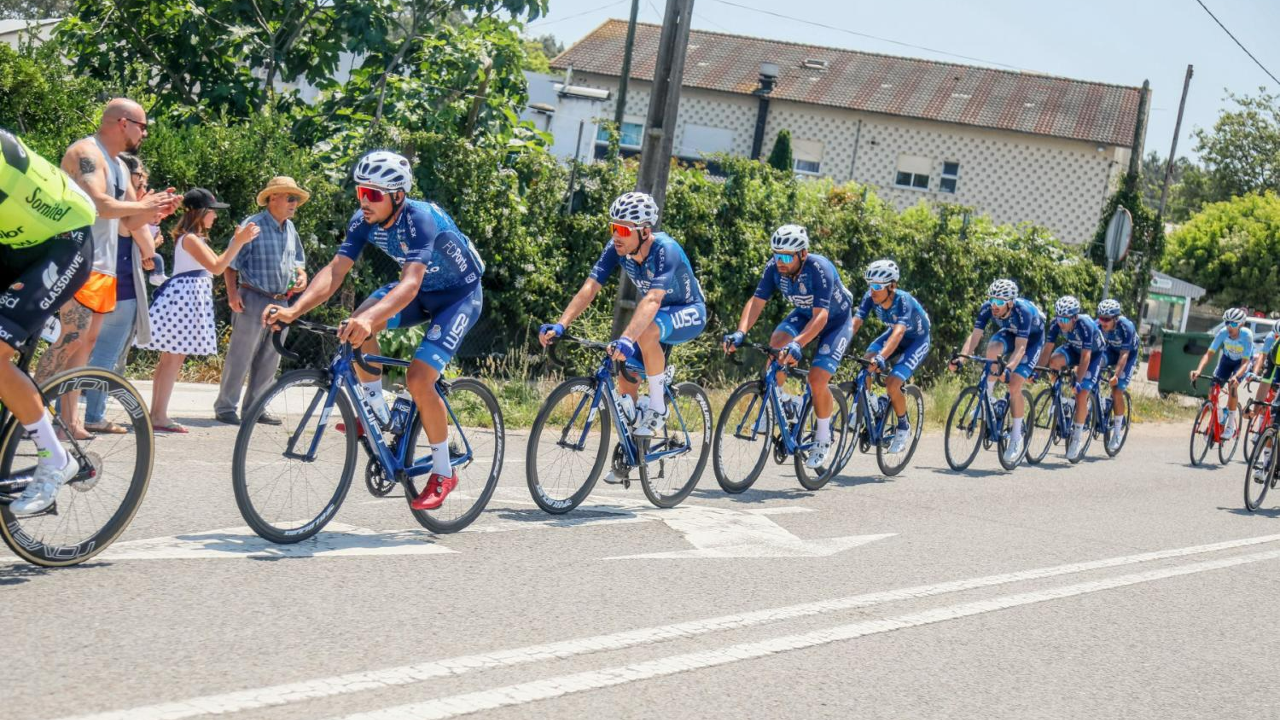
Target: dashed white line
554	687
288	693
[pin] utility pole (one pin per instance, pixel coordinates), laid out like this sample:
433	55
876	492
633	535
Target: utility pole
1139	132
659	130
626	66
1173	150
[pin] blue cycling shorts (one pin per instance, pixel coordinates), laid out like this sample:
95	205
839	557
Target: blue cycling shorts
1072	356
832	342
1226	368
1030	358
677	324
1125	374
452	314
906	358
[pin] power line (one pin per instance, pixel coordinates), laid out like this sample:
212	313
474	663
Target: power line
576	15
1233	37
866	35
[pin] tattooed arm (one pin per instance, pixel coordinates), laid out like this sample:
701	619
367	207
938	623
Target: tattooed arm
85	164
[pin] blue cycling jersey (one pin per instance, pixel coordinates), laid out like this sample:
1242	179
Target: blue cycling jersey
1124	336
1269	343
666	268
1083	335
1024	319
422	233
1235	348
905	310
816	286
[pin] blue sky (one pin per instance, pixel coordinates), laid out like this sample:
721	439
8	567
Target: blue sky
1114	41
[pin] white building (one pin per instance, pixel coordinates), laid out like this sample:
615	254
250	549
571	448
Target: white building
15	32
1017	146
570	113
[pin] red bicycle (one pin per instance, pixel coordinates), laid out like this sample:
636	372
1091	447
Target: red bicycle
1211	423
1259	414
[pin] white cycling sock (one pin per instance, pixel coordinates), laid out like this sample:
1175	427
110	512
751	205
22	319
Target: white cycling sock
1117	422
1017	427
657	385
49	450
440	458
824	429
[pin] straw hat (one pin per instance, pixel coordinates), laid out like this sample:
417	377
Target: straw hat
280	185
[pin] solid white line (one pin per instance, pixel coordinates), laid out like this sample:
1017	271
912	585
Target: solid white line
554	687
287	693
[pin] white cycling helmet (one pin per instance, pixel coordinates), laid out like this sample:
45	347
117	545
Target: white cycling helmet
1067	306
789	238
1004	289
1109	308
1234	315
881	271
637	208
384	170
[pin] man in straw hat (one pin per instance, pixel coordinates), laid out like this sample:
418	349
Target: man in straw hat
269	271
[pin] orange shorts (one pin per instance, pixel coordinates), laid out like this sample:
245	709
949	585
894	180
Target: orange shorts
98	293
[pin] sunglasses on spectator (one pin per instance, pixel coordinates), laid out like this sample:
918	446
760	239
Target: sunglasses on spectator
135	122
373	195
998	302
622	231
784	258
877	286
294	199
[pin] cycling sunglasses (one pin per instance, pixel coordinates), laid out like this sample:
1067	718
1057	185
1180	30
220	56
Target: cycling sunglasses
784	258
373	195
1107	318
1064	319
1233	324
622	231
998	302
877	286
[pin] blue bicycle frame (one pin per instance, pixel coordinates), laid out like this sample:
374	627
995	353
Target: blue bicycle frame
790	435
986	405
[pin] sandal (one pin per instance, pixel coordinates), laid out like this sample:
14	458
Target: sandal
107	428
174	428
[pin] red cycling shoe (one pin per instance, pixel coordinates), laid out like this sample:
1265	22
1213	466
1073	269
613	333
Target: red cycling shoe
438	488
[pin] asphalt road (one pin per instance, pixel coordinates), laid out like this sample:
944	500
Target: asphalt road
1136	587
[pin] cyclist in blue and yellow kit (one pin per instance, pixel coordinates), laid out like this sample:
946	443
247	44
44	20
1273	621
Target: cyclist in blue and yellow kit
1084	350
1236	344
1122	354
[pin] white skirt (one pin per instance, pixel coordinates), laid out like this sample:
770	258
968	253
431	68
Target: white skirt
182	317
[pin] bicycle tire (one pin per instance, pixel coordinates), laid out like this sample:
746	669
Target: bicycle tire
1087	436
1124	428
287	406
1044	423
1201	429
533	475
839	411
25	534
973	428
1006	430
439	520
915	406
852	425
729	482
1224	455
1268	438
699	408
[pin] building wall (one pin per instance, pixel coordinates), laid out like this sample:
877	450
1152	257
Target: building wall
1013	177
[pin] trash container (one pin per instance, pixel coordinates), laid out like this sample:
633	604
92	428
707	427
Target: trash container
1180	353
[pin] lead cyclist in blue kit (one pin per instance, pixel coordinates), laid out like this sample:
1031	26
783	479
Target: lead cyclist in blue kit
439	282
671	309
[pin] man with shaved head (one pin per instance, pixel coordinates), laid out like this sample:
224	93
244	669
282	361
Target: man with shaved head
94	165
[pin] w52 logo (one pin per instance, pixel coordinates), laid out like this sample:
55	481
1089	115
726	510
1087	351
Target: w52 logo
686	318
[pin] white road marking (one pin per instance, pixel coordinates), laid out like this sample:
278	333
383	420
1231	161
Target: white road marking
336	540
554	687
724	533
284	694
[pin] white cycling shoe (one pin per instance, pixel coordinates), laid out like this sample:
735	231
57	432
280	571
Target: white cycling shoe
43	488
1013	449
901	439
650	423
1076	445
818	455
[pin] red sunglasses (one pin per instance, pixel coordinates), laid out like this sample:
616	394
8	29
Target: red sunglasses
373	195
623	231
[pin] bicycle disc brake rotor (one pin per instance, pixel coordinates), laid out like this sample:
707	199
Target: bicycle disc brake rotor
90	472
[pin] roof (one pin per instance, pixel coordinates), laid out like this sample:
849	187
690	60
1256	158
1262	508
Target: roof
907	87
1170	285
13	26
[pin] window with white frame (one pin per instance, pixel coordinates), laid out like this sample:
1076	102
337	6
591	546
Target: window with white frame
807	156
629	135
700	140
950	176
913	172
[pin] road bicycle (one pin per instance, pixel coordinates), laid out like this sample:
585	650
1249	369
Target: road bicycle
290	479
93	508
1104	413
977	421
1264	457
570	446
755	424
1210	426
873	423
1053	416
1258	412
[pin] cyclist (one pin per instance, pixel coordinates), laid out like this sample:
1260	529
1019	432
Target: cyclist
1122	354
1264	366
439	283
905	344
671	310
1236	344
1019	340
46	251
1084	350
822	312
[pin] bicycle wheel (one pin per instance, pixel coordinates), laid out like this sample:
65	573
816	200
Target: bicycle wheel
679	455
1201	433
892	463
1257	424
476	442
744	435
1043	426
1255	490
1087	437
814	479
94	507
852	425
1006	431
965	429
1227	448
568	446
290	479
1124	429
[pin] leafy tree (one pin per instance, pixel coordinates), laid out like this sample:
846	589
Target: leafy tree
35	9
1152	179
1232	249
43	101
780	157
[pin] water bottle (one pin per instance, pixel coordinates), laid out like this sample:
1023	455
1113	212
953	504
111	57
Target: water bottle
376	406
790	408
1106	406
627	408
400	413
1002	406
882	406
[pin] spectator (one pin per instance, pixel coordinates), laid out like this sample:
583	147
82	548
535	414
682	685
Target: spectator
94	165
129	318
270	271
182	309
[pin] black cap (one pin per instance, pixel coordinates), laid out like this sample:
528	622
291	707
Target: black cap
201	199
